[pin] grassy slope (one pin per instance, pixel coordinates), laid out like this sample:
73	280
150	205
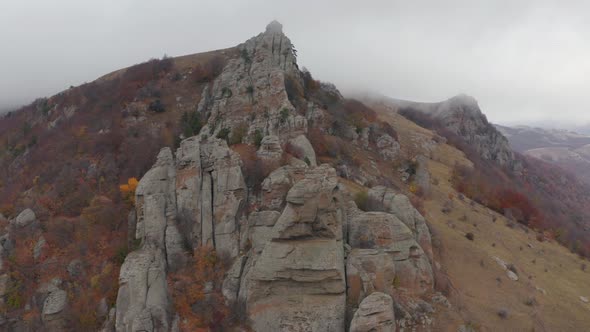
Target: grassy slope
478	295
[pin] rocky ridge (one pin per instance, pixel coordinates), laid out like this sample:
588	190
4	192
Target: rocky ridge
463	117
304	257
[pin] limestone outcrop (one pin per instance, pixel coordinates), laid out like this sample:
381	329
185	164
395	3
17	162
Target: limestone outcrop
307	153
297	282
375	314
385	199
143	300
375	234
256	81
301	256
26	217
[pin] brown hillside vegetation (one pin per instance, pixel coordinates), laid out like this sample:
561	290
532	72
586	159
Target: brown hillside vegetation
536	194
65	157
551	278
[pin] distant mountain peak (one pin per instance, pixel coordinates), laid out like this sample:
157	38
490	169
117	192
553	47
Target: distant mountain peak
274	27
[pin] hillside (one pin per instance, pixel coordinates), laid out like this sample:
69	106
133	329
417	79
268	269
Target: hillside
551	280
232	191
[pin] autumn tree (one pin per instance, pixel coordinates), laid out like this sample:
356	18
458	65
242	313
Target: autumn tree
128	190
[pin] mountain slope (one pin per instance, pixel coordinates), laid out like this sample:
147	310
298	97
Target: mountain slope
266	201
549	275
462	116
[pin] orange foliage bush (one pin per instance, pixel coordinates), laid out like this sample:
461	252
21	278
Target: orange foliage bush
128	190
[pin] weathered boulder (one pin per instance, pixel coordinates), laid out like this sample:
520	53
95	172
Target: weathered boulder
270	148
261	226
25	218
368	271
38	249
375	314
386	199
143	295
302	144
297	282
388	147
387	234
277	184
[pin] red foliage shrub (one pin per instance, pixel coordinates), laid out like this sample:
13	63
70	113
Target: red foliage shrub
318	141
255	170
196	291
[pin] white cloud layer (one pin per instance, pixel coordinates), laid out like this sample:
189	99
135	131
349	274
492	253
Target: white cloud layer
525	61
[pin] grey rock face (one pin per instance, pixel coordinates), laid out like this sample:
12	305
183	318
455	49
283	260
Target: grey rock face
261	226
256	81
26	217
302	143
279	182
368	271
385	233
143	294
297	282
461	114
385	199
270	148
211	191
375	314
388	147
191	201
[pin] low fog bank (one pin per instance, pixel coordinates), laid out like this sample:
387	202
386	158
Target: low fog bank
524	61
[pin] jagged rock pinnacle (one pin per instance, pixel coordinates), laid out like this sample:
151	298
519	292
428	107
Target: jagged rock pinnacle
274	27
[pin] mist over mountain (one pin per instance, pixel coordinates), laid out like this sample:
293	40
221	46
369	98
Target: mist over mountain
232	188
494	51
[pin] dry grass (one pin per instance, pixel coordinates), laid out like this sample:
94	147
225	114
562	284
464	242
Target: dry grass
480	286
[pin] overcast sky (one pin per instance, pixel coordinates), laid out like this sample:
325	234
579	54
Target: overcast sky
525	61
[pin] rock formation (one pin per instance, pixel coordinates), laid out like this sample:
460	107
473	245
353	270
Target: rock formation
292	276
385	199
255	81
461	114
375	314
303	256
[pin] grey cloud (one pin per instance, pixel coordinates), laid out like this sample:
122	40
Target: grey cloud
525	61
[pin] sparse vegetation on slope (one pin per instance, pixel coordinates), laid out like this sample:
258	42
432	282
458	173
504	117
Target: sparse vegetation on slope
536	194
